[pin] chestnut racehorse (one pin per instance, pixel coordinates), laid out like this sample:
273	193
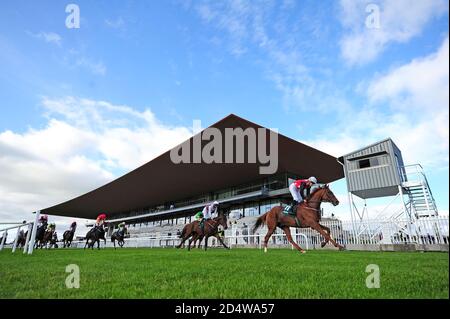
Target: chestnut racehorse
307	215
210	229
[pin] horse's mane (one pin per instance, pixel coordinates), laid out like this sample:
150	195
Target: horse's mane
315	188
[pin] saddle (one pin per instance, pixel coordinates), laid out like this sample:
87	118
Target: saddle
290	212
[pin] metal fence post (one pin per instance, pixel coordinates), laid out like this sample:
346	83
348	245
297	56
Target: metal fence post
27	240
2	244
15	240
33	233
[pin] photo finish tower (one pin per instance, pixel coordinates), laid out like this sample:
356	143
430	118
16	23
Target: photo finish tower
378	171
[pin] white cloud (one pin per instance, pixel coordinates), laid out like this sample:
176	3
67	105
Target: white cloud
417	97
118	23
49	37
96	67
400	21
423	83
84	144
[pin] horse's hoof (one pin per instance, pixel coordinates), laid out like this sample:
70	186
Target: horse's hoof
265	249
322	245
303	251
342	248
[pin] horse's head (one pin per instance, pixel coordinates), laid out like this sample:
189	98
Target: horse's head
222	219
328	196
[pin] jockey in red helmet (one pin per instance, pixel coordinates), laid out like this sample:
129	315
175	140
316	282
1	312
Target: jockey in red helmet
100	220
43	218
300	191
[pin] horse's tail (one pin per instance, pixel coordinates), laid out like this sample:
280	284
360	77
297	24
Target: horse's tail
259	222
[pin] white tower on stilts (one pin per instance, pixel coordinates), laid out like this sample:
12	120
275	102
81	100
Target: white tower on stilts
378	171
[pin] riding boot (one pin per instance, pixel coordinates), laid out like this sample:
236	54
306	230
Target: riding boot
294	207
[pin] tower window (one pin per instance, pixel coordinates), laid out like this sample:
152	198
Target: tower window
368	162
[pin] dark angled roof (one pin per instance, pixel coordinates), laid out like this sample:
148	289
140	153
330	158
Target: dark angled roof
161	181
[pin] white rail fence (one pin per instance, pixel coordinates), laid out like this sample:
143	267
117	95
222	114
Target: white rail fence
31	228
424	231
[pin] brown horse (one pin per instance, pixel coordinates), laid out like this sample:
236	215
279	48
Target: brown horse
307	215
194	231
188	228
48	236
68	237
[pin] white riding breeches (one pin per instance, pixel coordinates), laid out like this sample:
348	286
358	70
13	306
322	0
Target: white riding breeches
295	192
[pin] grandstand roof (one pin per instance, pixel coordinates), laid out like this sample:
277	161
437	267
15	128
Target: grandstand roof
161	181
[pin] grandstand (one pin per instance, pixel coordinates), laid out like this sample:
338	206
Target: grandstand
161	196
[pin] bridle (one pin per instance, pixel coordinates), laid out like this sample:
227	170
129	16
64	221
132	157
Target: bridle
321	200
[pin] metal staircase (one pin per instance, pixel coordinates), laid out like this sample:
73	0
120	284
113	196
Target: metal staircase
421	202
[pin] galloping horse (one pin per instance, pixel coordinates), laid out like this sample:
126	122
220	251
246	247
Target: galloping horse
40	232
21	239
188	228
68	237
307	215
119	235
47	240
94	235
210	228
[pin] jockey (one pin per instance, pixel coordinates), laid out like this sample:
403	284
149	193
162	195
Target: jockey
73	226
199	216
51	227
100	220
43	219
300	191
209	210
121	226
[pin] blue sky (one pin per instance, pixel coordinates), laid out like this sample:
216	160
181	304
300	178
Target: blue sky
139	72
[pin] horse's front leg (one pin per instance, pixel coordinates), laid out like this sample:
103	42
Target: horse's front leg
221	241
327	229
319	229
206	241
200	238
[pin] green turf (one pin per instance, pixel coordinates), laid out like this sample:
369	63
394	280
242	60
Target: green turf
217	273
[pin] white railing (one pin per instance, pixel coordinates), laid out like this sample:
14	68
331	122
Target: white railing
425	231
14	244
28	247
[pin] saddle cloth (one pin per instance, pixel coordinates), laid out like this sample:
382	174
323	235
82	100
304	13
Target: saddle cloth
287	210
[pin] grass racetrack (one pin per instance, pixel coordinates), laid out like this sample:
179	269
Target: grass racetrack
217	273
